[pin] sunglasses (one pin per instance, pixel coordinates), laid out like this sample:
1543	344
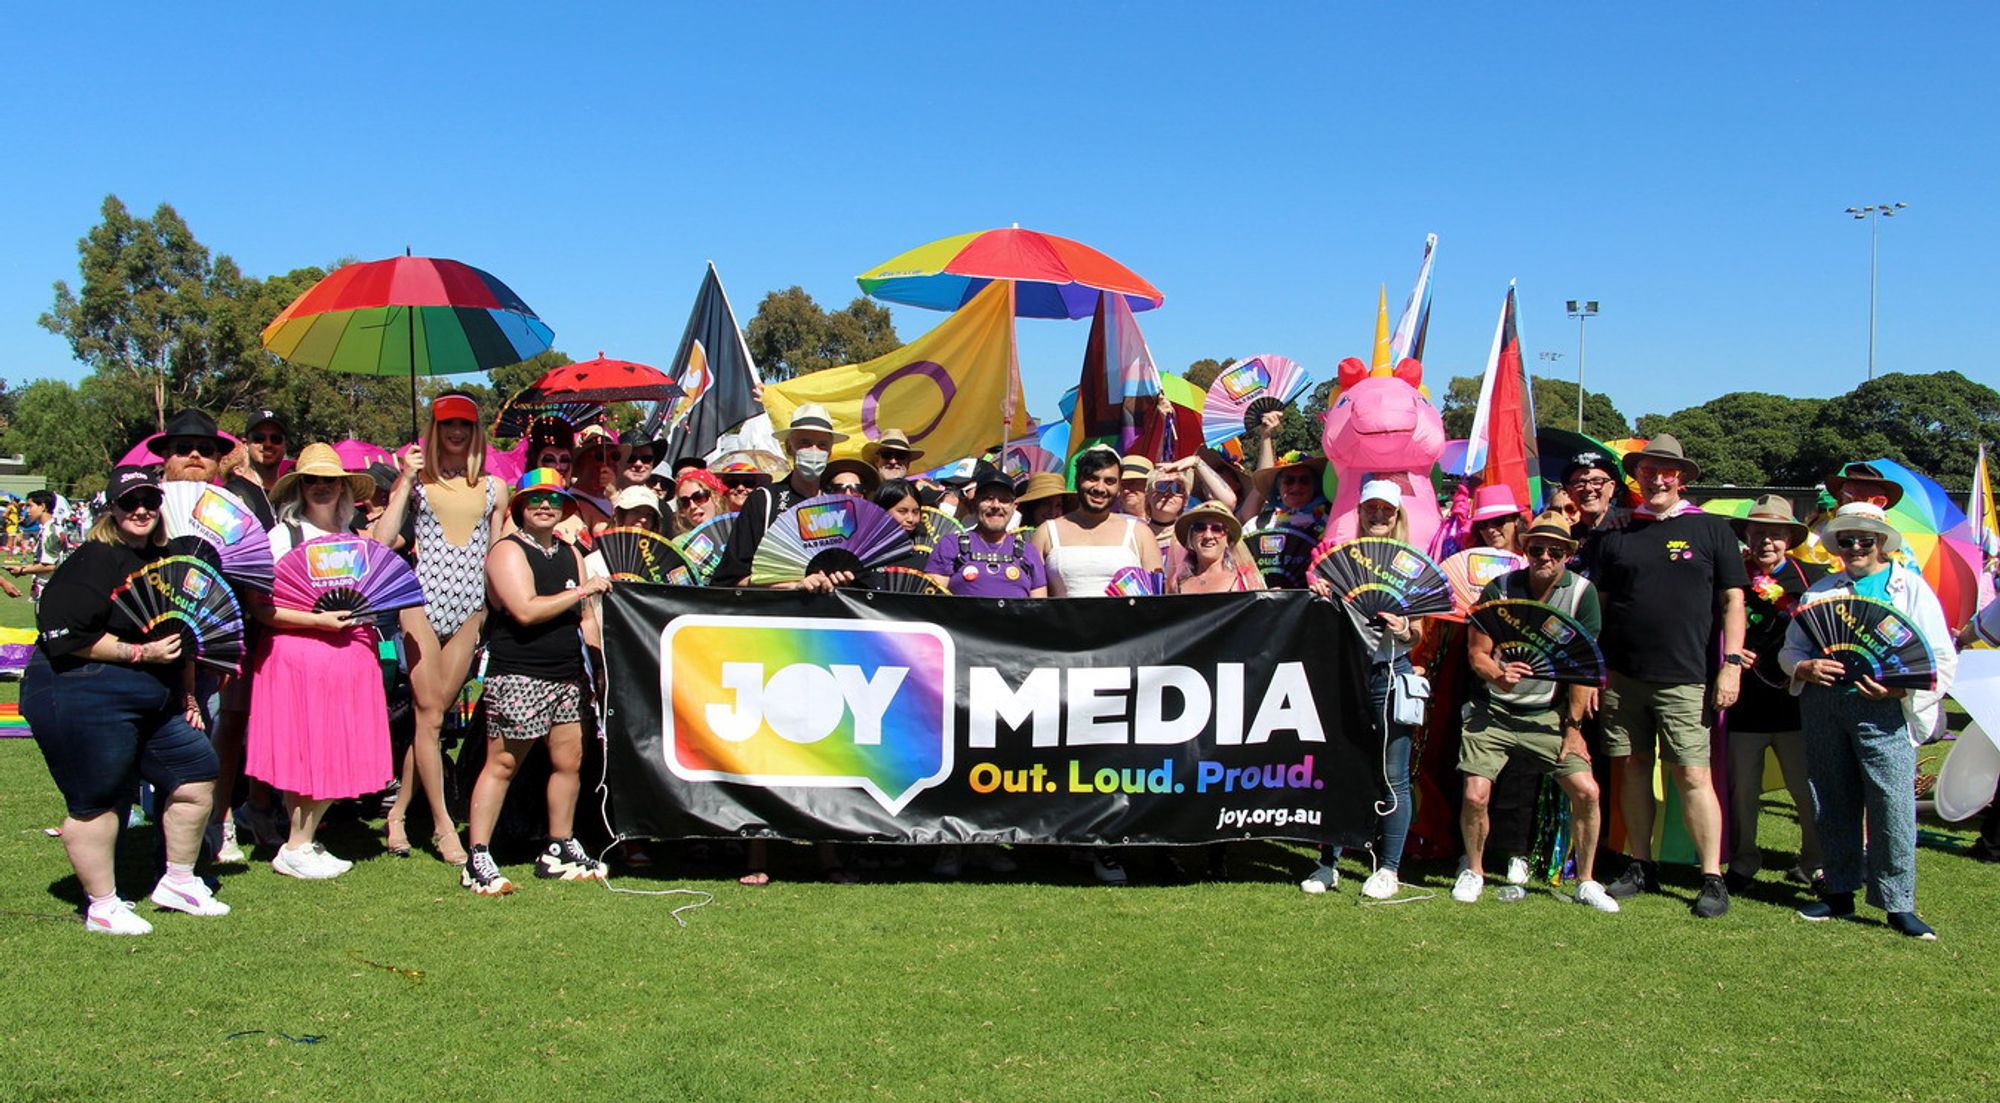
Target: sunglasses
1202	528
542	500
886	458
699	497
638	459
1855	543
846	488
142	499
1547	551
1171	488
199	446
264	438
740	482
319	480
1296	477
1665	474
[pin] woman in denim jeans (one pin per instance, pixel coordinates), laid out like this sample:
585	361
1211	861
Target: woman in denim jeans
1861	737
1381	515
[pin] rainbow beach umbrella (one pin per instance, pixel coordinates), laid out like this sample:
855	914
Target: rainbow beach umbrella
1054	276
408	316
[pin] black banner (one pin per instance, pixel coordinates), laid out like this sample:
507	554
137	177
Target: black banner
906	718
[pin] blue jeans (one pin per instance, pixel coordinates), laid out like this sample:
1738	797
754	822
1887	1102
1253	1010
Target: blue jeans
1859	757
102	727
1394	814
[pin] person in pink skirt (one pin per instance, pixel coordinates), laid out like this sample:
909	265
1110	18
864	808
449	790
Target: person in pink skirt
319	723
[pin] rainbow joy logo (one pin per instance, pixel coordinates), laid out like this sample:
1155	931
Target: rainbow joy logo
809	701
336	561
826	521
216	514
1245	380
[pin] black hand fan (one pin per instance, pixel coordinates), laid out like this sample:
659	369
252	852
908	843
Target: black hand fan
904	580
1378	575
1283	554
1869	637
935	526
642	555
184	594
1549	640
833	532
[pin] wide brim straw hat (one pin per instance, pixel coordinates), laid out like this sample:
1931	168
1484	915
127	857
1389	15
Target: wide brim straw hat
320	459
1207	511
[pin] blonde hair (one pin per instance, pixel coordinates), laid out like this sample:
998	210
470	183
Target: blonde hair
475	453
104	530
293	510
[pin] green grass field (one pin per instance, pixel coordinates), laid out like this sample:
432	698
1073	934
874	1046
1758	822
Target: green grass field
1040	988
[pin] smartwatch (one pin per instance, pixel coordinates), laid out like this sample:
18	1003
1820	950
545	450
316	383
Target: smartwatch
1734	658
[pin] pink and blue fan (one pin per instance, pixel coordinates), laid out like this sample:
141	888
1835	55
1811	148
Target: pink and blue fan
201	514
702	546
1245	391
182	593
833	532
342	573
1550	641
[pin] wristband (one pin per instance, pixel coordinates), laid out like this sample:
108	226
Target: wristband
138	653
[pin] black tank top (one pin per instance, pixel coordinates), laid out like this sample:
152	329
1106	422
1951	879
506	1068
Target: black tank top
553	648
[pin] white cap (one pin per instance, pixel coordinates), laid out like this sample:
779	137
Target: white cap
1382	490
637	497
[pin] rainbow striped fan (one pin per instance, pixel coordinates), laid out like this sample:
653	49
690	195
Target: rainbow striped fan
184	594
833	532
903	580
1023	458
935	526
1283	554
702	547
1552	642
197	514
642	555
350	573
1245	391
1869	637
1132	582
1375	575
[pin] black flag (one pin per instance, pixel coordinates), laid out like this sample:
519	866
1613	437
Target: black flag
713	366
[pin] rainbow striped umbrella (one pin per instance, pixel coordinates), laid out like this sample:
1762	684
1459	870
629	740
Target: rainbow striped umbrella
408	316
1054	276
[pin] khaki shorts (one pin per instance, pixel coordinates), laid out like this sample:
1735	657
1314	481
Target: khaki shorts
1652	715
1494	736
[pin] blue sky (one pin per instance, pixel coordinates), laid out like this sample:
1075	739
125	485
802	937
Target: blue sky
1267	167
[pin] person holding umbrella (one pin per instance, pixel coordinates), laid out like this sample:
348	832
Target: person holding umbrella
448	512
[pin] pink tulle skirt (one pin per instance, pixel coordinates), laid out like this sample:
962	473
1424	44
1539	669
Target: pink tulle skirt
319	724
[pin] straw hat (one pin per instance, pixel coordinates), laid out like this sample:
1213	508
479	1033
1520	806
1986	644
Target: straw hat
1266	477
1862	517
1208	511
811	416
763	466
1040	485
1551	525
1771	509
321	459
891	438
1661	449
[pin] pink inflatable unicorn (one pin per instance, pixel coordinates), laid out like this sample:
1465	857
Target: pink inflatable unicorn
1383	426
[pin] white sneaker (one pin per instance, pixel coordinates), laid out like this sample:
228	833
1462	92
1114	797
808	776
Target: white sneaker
1108	869
303	863
1468	888
193	897
337	865
1321	880
1593	894
1517	871
1381	884
116	917
227	850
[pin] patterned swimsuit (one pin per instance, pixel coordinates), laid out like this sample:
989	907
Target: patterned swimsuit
454	575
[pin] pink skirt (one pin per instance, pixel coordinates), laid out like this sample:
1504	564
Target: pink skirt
319	724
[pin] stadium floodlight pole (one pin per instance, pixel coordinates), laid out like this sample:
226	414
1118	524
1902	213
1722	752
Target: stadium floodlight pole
1874	213
1583	310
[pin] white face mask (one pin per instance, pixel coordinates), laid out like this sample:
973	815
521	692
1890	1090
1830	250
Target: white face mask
810	461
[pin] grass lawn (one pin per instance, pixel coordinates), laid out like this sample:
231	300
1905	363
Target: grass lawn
1039	988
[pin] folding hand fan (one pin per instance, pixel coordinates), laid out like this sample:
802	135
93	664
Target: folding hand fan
1283	554
703	546
935	526
1869	637
1378	575
201	513
1133	582
1469	573
351	573
833	532
182	593
1020	460
903	580
642	555
1546	638
1245	391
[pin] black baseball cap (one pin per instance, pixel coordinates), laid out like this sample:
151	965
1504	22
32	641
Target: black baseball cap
127	478
259	417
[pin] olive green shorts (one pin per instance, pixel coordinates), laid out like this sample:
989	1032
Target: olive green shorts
1655	716
1493	737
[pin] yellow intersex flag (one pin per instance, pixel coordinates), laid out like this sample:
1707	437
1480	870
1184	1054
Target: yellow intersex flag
1384	340
955	390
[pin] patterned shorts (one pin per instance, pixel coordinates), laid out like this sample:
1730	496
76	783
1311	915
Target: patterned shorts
521	707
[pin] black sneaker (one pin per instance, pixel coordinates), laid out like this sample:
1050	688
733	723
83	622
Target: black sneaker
566	860
1907	923
1834	905
1637	878
1714	899
482	875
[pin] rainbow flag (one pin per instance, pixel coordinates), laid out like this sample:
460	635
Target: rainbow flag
11	724
1415	324
1501	447
1115	396
1982	524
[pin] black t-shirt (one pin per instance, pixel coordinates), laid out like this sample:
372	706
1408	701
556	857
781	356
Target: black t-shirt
1660	581
759	510
1766	703
76	607
549	649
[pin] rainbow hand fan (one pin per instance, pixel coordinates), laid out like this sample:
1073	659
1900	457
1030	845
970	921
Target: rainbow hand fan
1024	458
702	546
1543	636
1283	554
1133	582
345	573
1375	575
1245	391
904	580
642	555
181	593
833	532
935	526
1869	637
198	514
